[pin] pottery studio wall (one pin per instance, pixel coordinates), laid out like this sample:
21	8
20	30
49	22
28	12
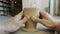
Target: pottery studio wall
4	7
41	4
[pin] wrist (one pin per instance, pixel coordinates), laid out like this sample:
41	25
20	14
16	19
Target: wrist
57	28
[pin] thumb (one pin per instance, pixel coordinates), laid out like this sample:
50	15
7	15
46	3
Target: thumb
19	16
23	20
21	13
36	19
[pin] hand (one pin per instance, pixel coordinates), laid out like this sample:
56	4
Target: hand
20	17
14	23
45	20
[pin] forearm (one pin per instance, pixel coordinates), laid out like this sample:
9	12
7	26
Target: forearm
53	26
13	27
57	28
10	25
9	28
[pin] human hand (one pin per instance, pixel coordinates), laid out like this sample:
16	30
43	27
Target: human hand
45	20
14	23
20	17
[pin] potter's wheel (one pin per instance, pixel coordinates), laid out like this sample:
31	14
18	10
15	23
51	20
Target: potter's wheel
40	31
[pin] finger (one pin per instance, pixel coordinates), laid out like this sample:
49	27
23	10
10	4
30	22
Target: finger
36	19
19	16
27	16
44	15
20	13
24	20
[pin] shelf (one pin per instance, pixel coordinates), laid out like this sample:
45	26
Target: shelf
1	0
4	2
2	11
4	6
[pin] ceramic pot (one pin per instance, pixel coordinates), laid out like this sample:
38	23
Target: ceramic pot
29	12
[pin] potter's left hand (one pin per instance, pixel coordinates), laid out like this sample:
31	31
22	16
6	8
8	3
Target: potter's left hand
13	24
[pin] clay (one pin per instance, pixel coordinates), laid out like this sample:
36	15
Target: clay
29	12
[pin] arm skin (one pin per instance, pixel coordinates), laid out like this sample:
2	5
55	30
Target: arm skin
13	24
47	21
57	28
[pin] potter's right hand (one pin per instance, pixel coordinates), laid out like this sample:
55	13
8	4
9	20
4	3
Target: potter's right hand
45	20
